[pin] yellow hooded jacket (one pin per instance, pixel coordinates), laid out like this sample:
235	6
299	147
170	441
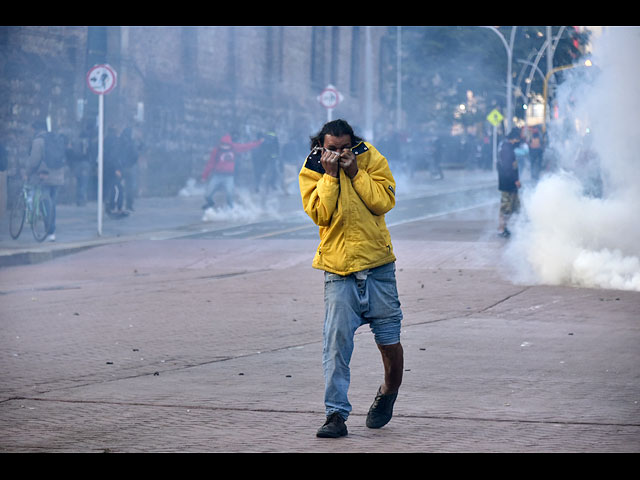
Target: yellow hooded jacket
350	212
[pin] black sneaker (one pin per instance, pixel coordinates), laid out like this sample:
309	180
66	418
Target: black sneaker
381	410
334	427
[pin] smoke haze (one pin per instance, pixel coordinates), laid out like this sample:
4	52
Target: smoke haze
566	234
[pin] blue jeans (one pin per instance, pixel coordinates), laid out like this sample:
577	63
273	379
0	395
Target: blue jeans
220	181
349	303
52	190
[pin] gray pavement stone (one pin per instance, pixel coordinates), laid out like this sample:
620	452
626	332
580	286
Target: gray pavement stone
214	345
224	356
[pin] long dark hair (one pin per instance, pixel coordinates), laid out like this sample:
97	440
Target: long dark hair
336	128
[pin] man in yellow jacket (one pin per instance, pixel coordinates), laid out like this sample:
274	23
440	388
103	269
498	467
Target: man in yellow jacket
347	188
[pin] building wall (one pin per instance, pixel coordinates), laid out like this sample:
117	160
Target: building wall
182	88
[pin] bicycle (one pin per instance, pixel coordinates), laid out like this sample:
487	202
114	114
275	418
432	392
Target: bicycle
34	206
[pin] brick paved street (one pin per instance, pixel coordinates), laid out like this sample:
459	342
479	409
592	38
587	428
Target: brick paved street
214	345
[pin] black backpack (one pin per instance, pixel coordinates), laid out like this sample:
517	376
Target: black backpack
54	150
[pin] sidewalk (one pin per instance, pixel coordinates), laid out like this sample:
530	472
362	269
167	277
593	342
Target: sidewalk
182	215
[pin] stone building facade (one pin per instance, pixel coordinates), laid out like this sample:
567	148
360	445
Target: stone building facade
182	88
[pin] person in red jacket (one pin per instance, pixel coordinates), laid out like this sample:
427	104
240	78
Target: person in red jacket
219	170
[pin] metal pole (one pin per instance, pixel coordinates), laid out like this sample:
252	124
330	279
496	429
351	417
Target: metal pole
534	69
100	158
545	91
509	48
510	79
548	42
549	54
495	147
399	80
368	86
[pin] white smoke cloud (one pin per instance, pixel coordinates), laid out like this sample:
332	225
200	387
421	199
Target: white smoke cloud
564	235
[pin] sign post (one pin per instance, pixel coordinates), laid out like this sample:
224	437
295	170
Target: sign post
101	80
329	98
495	118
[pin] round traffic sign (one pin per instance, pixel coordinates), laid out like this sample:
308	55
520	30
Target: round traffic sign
101	79
329	98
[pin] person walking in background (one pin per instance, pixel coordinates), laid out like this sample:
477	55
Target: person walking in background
219	170
82	155
267	164
45	166
129	150
522	156
535	155
113	177
508	181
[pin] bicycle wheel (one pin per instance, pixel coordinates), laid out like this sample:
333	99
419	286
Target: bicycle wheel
17	216
42	218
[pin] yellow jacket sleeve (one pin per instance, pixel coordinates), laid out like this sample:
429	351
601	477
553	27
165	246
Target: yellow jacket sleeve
375	186
319	195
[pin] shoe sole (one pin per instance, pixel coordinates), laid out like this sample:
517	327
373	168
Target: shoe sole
377	425
331	435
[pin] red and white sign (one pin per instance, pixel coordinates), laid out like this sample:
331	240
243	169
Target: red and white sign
101	79
330	97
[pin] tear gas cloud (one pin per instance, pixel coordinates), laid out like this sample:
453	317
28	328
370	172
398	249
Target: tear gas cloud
566	235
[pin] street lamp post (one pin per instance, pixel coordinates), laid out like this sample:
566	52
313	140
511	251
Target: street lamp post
549	46
509	48
535	68
545	93
399	79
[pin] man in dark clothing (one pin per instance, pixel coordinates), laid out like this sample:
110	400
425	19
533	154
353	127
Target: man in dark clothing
113	180
37	172
267	164
82	154
535	154
129	151
508	181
